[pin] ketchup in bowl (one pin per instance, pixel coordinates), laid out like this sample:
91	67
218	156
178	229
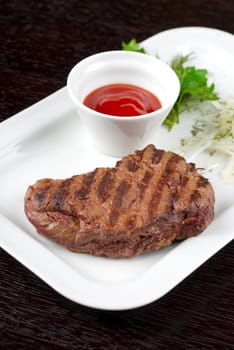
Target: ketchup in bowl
122	100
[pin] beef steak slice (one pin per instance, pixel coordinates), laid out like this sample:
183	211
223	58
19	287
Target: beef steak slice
150	199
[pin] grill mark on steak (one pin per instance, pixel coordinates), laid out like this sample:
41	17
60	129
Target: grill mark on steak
132	166
40	198
89	179
60	195
58	201
195	196
114	215
118	196
169	169
144	183
190	185
184	180
176	195
105	186
84	191
156	171
156	155
41	195
121	191
202	182
139	155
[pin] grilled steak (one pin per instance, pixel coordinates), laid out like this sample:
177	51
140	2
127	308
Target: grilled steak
147	201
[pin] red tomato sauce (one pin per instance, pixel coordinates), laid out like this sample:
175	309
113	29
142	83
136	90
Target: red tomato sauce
122	100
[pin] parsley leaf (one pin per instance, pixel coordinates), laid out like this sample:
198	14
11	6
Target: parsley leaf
132	45
193	83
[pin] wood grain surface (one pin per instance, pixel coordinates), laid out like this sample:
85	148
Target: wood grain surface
39	43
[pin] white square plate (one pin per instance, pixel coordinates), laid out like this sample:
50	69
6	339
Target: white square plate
47	140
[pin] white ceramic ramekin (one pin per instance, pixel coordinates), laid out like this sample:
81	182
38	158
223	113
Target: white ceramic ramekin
118	136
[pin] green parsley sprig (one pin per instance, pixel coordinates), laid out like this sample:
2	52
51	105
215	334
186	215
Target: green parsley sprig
133	45
193	83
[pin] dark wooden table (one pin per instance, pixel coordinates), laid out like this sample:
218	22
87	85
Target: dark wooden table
39	43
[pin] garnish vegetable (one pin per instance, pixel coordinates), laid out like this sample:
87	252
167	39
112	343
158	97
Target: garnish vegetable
213	132
133	45
193	83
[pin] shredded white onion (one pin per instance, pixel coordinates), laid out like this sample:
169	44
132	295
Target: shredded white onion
213	132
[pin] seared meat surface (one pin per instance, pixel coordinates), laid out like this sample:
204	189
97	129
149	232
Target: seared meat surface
150	199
